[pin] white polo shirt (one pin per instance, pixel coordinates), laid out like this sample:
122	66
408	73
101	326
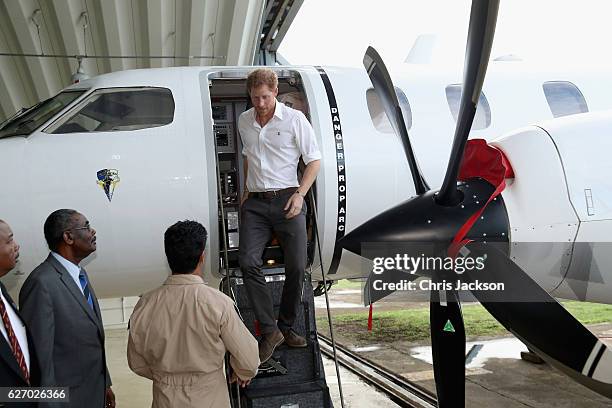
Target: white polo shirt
273	152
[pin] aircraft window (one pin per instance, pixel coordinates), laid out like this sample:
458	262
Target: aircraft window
27	120
564	98
377	111
482	120
120	109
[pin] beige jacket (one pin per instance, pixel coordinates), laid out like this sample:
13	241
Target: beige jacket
179	334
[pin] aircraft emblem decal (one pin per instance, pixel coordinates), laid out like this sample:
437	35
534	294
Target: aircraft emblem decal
108	180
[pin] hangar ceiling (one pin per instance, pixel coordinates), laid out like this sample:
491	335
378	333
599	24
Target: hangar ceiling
40	40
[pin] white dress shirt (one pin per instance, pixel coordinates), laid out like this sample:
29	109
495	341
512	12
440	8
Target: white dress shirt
72	269
18	328
273	152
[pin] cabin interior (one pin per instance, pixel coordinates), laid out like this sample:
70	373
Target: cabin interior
229	99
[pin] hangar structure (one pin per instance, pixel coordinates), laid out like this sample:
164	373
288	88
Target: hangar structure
47	44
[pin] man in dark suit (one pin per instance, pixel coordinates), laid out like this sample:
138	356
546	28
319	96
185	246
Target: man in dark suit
18	366
60	308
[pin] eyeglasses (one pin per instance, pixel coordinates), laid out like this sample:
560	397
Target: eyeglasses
85	227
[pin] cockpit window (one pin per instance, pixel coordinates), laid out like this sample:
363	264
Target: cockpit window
482	119
564	98
29	119
119	109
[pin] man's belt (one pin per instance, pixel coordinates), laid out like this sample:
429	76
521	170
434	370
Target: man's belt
268	195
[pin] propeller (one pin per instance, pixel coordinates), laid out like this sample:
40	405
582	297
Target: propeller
428	223
383	86
540	322
478	50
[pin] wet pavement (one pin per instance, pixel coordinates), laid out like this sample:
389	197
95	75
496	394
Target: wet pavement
357	393
495	376
133	391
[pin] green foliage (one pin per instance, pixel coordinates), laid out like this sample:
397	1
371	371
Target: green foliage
413	324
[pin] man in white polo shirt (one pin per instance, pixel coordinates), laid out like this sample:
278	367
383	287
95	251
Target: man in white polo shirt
274	137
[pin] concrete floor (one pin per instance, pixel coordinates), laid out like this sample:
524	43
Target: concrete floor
130	390
499	381
502	383
133	391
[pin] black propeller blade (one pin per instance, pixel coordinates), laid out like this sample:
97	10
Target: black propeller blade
383	86
406	223
539	321
447	347
480	39
434	219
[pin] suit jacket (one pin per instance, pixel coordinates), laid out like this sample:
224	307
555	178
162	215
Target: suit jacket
10	373
68	335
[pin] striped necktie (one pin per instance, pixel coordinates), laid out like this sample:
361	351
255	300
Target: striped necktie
85	287
13	342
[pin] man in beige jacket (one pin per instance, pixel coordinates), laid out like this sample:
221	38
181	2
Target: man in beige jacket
179	333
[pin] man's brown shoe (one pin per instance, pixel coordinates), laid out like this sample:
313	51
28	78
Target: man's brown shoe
268	344
292	339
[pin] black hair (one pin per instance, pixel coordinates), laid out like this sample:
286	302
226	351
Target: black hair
184	243
55	225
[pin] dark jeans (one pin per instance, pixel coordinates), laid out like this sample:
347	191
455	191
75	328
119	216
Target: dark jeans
259	218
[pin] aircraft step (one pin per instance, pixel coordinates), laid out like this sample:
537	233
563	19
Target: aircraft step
303	380
303	395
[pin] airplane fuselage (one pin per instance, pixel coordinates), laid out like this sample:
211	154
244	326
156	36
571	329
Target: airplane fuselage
133	182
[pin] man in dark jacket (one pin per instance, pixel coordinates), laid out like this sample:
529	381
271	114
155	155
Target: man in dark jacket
59	305
18	366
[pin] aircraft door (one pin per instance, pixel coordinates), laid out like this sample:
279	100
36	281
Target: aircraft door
228	100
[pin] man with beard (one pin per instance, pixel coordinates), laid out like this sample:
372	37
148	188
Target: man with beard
274	137
61	310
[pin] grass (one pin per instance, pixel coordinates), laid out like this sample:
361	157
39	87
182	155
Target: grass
413	325
347	284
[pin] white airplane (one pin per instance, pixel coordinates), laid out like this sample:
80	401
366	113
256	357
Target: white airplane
155	129
137	150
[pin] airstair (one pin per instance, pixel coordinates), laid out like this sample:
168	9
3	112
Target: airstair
293	377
